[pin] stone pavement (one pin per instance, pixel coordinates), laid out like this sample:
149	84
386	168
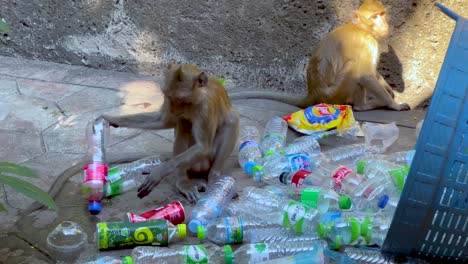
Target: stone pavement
49	107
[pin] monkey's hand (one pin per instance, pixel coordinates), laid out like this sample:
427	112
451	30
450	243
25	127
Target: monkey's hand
190	188
151	181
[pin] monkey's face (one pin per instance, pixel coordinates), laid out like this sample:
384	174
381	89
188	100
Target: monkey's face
379	24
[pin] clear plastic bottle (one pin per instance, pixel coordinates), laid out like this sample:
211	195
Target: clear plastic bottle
368	255
211	205
271	208
118	188
345	155
238	229
274	136
95	171
401	158
260	252
375	230
275	164
304	144
179	254
111	260
249	152
315	256
341	231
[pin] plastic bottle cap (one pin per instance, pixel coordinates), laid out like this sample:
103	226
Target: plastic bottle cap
201	232
398	175
94	208
258	173
355	229
383	201
282	177
310	197
127	260
228	254
366	229
360	167
193	225
344	202
269	152
248	167
182	230
324	229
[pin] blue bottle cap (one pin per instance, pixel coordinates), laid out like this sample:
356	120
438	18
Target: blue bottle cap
193	225
383	200
248	167
94	208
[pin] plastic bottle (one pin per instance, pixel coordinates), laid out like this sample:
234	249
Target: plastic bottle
304	144
95	172
374	231
210	206
369	255
275	164
187	254
111	260
341	231
249	152
274	136
315	256
345	155
383	169
119	235
269	207
401	158
260	252
238	229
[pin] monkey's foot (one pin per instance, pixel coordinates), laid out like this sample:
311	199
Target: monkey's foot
390	91
191	188
402	107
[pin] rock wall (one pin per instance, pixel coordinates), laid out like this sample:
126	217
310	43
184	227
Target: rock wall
253	44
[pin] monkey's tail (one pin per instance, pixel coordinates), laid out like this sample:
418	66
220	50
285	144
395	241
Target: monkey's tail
57	186
283	98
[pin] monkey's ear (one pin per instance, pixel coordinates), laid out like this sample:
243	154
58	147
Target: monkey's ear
356	17
203	79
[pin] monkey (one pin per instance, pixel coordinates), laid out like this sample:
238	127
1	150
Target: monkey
343	67
205	125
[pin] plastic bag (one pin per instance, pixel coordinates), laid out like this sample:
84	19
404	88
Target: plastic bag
378	137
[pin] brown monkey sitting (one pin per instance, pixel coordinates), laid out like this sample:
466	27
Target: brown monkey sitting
343	67
206	129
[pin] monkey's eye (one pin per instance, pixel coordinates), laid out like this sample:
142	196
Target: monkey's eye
374	16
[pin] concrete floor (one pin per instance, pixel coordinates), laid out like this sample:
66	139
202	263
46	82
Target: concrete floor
50	105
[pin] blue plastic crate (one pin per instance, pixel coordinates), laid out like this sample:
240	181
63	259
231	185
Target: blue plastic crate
431	221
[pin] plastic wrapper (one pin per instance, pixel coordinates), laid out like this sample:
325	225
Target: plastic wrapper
378	137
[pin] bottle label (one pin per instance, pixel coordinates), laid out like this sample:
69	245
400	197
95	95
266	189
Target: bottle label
195	254
95	171
299	161
113	175
173	212
234	230
339	175
113	188
294	216
298	178
248	143
259	253
133	218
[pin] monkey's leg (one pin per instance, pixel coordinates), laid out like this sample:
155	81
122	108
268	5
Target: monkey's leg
385	84
380	96
224	144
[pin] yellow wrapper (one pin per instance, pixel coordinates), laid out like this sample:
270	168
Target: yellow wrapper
320	118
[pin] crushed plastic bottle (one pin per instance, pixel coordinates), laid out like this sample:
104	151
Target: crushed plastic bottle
211	205
250	154
401	158
95	172
378	137
238	229
111	260
188	254
274	136
128	176
119	235
261	252
304	144
67	237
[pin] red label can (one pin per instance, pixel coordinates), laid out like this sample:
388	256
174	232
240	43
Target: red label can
173	212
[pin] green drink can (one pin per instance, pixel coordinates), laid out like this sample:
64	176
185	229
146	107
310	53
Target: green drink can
118	235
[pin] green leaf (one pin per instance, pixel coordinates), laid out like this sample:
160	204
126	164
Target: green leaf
222	81
3	26
29	190
2	208
7	167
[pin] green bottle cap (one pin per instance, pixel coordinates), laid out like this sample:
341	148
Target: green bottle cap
201	232
127	260
323	229
269	152
182	230
355	229
228	254
337	242
258	173
366	229
398	176
360	167
344	202
310	197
